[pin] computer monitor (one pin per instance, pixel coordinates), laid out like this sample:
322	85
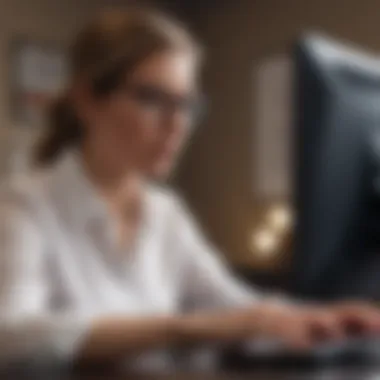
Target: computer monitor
337	158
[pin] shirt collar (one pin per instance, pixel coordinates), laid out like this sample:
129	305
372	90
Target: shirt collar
81	201
79	197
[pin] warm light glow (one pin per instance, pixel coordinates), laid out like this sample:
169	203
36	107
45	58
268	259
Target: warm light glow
279	218
265	243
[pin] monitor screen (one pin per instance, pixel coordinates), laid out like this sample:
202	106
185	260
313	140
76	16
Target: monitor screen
337	119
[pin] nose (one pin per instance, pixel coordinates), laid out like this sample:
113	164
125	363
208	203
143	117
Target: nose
176	123
173	130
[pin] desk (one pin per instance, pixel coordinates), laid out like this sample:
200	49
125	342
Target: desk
331	374
267	375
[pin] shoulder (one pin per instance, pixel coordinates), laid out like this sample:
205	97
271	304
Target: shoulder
22	236
173	212
168	201
22	192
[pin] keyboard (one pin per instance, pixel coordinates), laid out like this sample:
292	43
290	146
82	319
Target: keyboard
352	352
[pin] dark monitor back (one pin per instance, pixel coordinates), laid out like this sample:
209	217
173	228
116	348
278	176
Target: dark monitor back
337	100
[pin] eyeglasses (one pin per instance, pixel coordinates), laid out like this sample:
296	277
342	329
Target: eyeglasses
155	99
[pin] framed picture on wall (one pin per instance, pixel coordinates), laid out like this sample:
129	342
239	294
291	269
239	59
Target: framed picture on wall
38	73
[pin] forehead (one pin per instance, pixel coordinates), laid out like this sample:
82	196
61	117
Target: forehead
175	71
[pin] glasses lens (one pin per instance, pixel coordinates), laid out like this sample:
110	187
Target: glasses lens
154	98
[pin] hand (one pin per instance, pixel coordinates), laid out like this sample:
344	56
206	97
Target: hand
299	327
357	318
304	326
296	327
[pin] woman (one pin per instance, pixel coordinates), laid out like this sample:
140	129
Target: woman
98	261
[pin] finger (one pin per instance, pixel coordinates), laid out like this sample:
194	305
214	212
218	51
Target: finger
301	340
360	319
324	325
295	334
372	316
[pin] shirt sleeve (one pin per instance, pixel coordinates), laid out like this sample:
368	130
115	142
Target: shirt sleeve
207	281
29	332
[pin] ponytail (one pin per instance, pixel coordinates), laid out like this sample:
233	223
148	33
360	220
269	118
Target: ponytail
63	130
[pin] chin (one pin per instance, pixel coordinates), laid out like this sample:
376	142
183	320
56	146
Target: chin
161	172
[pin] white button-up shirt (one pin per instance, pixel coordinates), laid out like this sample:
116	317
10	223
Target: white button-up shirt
60	266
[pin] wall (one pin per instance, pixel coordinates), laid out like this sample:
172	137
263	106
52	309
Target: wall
46	20
217	171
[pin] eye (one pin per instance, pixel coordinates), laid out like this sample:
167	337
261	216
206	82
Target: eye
149	96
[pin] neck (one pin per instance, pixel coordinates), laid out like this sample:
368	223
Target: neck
114	178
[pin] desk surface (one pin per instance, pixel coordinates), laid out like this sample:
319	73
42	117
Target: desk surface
263	375
336	374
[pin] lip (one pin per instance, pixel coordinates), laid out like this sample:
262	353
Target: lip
168	152
166	155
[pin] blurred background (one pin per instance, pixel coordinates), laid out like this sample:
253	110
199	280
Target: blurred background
218	174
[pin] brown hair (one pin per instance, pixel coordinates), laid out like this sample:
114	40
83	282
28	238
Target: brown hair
106	50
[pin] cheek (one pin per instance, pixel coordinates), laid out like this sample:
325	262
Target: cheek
124	121
134	130
170	146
